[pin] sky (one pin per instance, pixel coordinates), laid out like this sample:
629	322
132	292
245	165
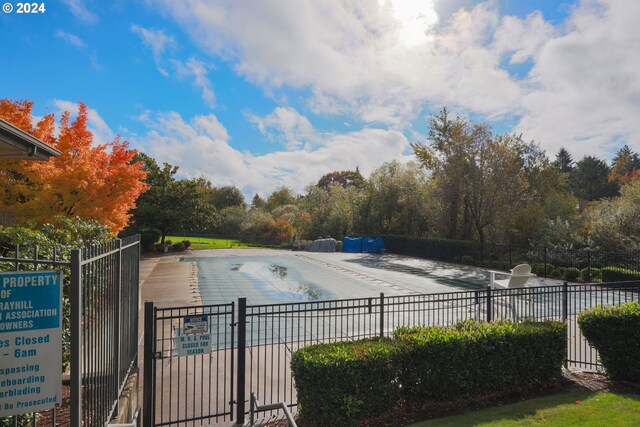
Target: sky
268	93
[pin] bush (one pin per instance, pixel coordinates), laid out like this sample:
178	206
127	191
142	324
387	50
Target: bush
186	243
178	247
557	273
499	265
148	238
588	275
467	259
473	358
341	383
615	333
538	269
571	274
618	274
162	248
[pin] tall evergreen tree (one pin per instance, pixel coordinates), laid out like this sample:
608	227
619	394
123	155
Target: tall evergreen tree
563	161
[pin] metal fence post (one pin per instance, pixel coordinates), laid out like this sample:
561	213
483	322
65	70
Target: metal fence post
510	261
381	314
489	305
148	365
565	301
588	265
116	326
242	343
76	338
545	262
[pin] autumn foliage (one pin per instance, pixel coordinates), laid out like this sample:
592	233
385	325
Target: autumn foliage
91	181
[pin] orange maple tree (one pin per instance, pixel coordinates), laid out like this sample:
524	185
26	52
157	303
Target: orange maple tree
91	181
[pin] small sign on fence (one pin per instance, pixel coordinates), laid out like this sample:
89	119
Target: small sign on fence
194	337
30	341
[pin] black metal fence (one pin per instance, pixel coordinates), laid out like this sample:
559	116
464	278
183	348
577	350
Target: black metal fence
193	388
267	335
100	302
547	262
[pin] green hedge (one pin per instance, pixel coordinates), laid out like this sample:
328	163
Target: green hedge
590	275
571	274
615	332
618	274
476	358
341	383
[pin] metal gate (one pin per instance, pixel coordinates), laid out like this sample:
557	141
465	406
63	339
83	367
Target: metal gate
189	364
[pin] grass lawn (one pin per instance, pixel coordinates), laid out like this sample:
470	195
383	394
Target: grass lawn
579	408
210	243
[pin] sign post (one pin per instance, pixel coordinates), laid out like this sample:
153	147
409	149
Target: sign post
30	341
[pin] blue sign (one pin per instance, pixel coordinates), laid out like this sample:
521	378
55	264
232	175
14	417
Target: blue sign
30	341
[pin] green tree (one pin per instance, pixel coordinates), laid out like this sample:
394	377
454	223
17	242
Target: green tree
483	181
625	166
563	161
230	220
281	197
396	200
170	204
345	179
613	223
227	196
258	202
590	179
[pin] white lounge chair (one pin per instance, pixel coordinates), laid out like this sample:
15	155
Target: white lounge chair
518	279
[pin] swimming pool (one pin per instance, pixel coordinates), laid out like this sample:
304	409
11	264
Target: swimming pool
266	277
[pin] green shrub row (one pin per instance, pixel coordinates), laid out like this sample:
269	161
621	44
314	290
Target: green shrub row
475	358
342	383
615	333
618	274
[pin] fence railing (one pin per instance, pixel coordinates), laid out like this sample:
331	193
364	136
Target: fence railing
274	331
544	260
100	302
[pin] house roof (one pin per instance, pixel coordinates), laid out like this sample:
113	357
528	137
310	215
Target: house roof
17	144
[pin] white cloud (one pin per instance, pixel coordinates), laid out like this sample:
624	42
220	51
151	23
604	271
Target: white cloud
80	11
72	39
197	70
157	41
290	126
201	147
585	84
383	64
102	133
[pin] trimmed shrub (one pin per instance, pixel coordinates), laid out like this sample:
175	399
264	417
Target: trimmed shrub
162	248
615	333
341	383
187	243
538	268
499	265
592	274
467	259
178	247
618	274
571	274
474	358
557	273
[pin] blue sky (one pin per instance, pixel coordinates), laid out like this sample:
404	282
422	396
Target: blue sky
261	94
